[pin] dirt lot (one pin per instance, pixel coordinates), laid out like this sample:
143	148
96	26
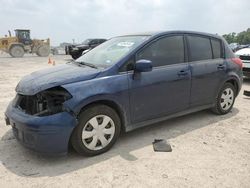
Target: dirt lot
208	150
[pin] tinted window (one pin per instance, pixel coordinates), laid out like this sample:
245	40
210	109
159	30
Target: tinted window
216	45
165	51
200	48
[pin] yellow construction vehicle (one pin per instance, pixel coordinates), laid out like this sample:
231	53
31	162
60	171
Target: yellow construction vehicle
21	43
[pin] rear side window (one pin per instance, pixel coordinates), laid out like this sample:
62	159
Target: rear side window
165	51
216	45
199	48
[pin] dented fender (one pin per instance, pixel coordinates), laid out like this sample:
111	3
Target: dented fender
109	88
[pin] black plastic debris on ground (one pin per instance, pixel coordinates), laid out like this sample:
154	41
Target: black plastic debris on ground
247	93
161	145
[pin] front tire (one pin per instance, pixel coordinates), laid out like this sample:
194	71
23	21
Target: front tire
225	99
98	129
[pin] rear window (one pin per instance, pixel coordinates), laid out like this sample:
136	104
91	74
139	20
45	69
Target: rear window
200	48
216	45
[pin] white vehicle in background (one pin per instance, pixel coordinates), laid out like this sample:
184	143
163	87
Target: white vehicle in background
244	55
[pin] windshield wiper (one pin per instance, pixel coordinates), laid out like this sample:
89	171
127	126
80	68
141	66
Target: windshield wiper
87	64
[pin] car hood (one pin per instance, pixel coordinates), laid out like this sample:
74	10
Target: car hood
55	76
244	51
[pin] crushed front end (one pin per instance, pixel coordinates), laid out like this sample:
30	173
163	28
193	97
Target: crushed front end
41	122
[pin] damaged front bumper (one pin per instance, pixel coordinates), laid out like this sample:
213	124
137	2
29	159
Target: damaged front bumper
47	134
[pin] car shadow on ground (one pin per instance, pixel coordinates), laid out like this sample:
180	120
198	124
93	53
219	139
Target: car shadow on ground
23	162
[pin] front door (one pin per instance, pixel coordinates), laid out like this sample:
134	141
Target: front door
164	90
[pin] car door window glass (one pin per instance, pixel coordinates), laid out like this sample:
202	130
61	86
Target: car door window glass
200	48
165	51
128	66
216	45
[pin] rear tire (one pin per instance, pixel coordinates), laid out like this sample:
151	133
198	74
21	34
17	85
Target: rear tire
17	51
225	99
43	51
98	129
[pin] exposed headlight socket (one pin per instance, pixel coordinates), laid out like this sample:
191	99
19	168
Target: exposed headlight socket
44	103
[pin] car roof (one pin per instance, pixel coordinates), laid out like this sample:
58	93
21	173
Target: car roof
244	51
22	30
159	33
97	39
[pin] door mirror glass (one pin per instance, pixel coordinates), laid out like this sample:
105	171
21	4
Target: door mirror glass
143	65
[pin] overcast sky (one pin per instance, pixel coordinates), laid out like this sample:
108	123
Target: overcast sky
63	20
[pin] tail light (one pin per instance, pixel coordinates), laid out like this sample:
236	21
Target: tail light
237	61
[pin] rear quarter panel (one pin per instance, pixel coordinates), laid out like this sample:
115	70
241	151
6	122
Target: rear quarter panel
235	73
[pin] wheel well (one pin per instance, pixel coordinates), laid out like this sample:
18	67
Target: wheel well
110	104
12	45
235	84
16	44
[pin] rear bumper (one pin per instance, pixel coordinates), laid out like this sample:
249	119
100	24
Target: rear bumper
48	135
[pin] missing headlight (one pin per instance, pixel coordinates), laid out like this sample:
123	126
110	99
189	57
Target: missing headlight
44	103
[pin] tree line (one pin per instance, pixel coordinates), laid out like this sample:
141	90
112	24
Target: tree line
240	38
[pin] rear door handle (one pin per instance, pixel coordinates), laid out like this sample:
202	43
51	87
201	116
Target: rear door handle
183	73
221	67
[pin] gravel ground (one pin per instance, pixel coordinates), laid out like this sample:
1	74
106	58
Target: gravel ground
208	150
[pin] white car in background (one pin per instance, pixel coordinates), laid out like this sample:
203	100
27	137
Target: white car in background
244	55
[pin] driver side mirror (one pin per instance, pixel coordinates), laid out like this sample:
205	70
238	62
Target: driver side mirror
143	65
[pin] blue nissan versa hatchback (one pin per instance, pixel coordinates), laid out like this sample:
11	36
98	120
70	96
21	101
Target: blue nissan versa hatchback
125	83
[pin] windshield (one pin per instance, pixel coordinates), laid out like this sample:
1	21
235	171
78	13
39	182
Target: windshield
111	51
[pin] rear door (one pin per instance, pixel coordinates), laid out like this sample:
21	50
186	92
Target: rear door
164	90
207	68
